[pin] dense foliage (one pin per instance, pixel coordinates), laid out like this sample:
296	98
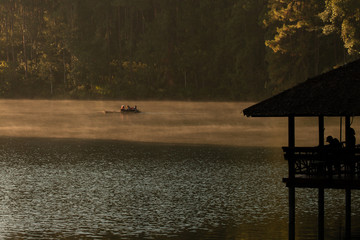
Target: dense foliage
171	49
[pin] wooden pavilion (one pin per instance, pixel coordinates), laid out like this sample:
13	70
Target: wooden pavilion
333	94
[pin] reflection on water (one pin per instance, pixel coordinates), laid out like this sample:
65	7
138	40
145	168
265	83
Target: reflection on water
67	188
124	182
116	190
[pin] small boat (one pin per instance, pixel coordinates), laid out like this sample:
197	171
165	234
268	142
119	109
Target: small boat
121	111
125	110
130	110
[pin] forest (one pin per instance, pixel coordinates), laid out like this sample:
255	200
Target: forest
233	50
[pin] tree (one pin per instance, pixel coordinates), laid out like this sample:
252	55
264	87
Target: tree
245	50
294	36
343	19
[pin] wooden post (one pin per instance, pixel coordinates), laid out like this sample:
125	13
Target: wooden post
321	131
291	213
348	214
291	126
291	142
349	162
321	190
347	128
321	214
348	190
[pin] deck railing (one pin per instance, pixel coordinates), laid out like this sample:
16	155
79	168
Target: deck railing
322	161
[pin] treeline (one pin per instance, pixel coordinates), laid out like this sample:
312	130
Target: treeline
171	49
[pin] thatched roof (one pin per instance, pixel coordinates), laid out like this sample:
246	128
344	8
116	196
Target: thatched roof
334	93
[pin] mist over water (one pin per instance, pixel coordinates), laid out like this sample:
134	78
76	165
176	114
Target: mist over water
218	123
167	122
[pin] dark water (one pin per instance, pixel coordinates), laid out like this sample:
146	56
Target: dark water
179	170
98	189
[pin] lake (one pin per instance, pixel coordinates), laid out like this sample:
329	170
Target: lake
178	170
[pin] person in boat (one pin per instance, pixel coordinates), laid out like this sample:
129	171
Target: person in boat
132	108
122	108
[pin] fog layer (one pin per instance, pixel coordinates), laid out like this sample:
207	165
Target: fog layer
219	123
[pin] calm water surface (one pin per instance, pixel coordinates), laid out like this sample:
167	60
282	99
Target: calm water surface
176	171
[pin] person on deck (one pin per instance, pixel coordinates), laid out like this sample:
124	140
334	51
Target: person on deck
350	146
334	143
333	147
351	140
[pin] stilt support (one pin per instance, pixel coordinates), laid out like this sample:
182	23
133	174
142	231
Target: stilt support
291	213
348	215
321	214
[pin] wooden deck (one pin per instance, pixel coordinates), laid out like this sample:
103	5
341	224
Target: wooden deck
334	182
321	167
